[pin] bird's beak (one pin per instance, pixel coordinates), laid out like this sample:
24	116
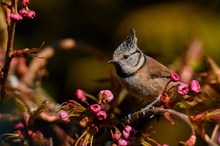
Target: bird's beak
112	61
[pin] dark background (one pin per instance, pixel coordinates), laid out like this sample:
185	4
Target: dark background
165	29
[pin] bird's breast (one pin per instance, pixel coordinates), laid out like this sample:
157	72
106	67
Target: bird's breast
143	86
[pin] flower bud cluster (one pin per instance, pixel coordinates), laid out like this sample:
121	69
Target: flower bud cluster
73	108
183	89
193	87
92	117
24	12
24	132
97	110
80	94
124	138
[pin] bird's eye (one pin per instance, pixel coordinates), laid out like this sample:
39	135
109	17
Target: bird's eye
125	56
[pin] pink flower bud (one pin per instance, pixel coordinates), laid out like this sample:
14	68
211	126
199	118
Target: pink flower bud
183	89
194	86
64	116
116	136
174	77
165	99
127	131
101	115
27	13
25	2
122	142
128	128
80	94
16	17
23	12
19	126
31	14
126	134
95	108
106	96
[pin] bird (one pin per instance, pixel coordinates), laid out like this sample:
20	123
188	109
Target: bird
142	76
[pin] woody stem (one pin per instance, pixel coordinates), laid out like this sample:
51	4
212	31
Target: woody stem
10	44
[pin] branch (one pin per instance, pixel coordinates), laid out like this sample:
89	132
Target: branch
158	110
10	44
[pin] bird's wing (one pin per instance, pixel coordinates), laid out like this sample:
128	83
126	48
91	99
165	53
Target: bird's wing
156	69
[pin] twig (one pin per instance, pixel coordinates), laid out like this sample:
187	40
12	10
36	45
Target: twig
136	115
209	141
161	111
36	64
10	44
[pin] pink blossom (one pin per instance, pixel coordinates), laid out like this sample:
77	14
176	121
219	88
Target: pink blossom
95	108
31	14
194	86
126	134
174	77
101	115
19	125
16	17
116	136
106	96
25	2
80	94
128	128
27	13
183	89
122	142
127	131
23	12
64	116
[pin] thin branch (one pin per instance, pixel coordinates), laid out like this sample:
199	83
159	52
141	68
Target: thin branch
10	44
214	133
161	111
209	141
7	59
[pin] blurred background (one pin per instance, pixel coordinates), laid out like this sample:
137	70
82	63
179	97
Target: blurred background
165	29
